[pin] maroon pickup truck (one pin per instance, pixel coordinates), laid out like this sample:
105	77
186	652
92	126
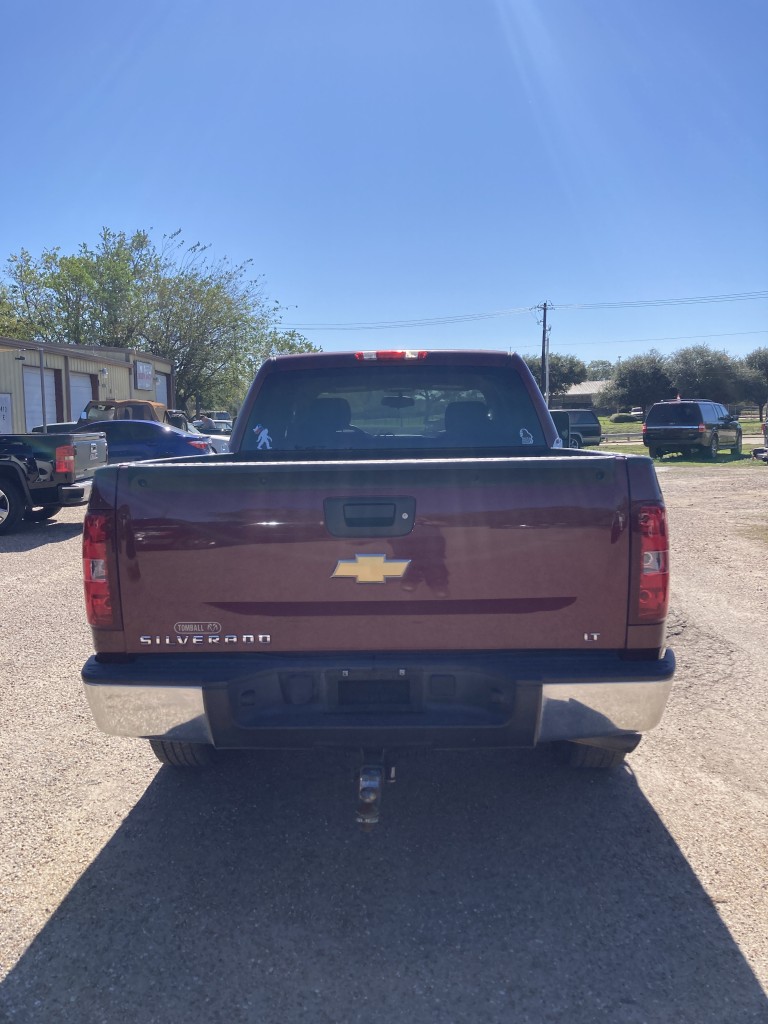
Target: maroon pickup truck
397	551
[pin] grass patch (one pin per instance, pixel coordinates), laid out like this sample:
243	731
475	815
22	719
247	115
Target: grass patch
724	458
621	449
751	426
620	428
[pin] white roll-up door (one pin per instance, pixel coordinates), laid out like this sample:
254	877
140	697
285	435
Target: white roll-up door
161	388
80	392
33	402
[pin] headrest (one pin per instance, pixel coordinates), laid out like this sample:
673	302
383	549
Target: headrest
466	416
328	414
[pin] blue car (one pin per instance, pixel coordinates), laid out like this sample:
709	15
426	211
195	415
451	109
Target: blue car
137	440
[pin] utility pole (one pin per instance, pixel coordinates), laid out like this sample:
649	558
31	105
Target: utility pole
544	353
41	353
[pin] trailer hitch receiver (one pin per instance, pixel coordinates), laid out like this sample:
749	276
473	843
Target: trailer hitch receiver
370	781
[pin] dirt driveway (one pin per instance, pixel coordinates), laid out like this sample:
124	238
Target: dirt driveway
706	770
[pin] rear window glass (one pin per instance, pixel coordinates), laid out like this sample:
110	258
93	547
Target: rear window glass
100	412
375	408
677	414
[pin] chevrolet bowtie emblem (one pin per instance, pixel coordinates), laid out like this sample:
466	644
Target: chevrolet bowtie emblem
370	568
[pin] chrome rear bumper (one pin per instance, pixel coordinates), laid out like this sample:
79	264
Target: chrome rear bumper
584	710
198	702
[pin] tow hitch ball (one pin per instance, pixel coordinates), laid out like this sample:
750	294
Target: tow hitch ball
370	780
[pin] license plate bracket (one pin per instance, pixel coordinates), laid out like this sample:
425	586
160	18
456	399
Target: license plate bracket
373	693
379	692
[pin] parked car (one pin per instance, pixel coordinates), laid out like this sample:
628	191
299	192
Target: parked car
219	440
137	440
585	429
689	426
55	428
637	412
177	418
41	473
209	426
124	409
220	417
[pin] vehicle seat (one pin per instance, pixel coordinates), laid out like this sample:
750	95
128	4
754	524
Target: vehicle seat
467	423
325	421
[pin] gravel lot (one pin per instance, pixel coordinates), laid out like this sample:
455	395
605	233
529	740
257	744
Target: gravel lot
498	887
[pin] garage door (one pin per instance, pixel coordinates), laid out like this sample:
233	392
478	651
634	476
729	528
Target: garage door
161	388
33	403
80	392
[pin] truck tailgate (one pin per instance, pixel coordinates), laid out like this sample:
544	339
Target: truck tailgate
508	553
90	453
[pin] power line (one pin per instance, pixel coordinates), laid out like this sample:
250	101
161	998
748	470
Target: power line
675	337
425	322
381	325
635	303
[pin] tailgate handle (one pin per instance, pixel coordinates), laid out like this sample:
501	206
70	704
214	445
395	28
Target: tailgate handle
378	513
370	517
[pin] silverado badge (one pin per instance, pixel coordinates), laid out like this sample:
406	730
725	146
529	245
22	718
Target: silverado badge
370	568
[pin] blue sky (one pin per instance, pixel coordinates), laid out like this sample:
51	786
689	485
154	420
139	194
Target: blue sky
413	160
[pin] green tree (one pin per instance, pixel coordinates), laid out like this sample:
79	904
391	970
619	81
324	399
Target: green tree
11	325
599	369
205	321
563	372
758	360
98	296
639	380
210	319
29	295
751	385
702	372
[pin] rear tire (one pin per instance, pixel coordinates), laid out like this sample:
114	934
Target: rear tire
42	512
575	441
194	756
711	451
11	505
738	449
579	755
654	452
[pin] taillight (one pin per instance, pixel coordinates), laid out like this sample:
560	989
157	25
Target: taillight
652	572
391	356
702	428
645	430
65	459
204	446
98	533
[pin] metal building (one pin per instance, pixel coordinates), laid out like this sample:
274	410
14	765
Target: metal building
52	383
